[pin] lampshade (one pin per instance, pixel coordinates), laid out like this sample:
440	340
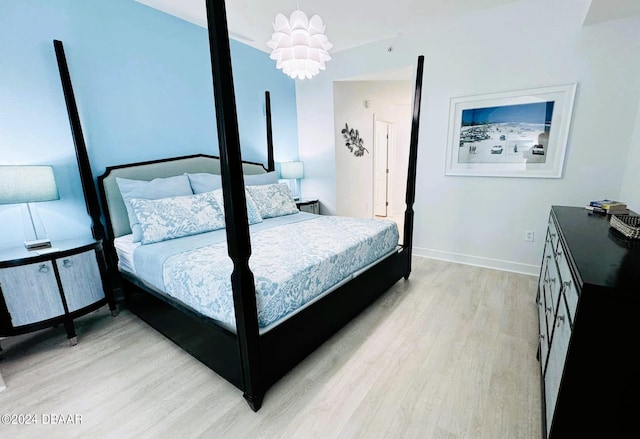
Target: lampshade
299	45
27	184
291	170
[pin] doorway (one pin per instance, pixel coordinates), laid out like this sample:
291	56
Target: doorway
383	141
362	103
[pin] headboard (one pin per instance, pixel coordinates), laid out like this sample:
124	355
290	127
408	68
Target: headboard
112	204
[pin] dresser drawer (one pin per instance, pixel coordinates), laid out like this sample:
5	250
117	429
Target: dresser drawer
546	259
563	265
553	293
544	334
568	285
557	357
553	234
570	293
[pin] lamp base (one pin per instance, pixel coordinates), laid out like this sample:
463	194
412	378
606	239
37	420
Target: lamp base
37	244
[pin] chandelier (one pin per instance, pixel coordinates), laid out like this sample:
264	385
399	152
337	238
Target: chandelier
299	45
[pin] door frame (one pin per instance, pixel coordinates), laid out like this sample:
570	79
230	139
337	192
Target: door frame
389	163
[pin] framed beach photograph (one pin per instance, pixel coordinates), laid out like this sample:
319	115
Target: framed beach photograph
519	133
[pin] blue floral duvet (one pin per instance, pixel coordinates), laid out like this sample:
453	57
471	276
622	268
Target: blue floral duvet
294	260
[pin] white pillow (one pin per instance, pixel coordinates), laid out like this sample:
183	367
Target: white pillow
150	190
260	179
253	215
175	217
273	200
202	182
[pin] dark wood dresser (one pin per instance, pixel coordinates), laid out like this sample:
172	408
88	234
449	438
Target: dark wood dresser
588	303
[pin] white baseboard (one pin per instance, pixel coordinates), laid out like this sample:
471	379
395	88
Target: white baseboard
497	264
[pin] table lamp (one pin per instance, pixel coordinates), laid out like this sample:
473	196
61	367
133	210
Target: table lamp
25	185
292	171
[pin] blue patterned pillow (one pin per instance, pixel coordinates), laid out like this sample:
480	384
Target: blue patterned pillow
170	218
253	214
273	200
150	190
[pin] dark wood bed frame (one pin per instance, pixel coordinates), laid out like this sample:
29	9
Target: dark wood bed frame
249	360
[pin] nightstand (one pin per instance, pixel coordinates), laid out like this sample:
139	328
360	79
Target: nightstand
309	205
40	289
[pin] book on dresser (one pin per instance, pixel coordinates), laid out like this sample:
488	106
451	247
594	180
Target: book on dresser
608	207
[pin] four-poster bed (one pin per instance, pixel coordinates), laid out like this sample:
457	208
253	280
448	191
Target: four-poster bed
245	351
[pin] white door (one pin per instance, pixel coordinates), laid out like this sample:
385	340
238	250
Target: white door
381	168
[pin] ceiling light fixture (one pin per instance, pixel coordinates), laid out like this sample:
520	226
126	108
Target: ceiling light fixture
299	45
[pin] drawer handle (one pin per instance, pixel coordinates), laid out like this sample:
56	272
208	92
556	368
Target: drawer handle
566	284
560	320
553	235
66	263
559	253
43	268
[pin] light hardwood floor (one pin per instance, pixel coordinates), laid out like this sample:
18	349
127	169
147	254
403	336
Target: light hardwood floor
450	353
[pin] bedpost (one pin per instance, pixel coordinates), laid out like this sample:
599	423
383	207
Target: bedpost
237	226
271	166
86	177
411	173
84	165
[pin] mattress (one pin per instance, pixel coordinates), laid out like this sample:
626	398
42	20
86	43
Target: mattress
125	247
295	260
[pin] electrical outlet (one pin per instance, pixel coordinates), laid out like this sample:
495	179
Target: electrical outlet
528	235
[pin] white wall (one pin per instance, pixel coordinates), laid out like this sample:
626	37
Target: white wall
630	192
523	44
386	100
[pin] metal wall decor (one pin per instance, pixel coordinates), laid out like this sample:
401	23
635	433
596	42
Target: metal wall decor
354	141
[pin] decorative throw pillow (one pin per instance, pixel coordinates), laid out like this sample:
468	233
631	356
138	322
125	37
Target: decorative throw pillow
203	182
150	190
175	217
253	215
273	200
260	179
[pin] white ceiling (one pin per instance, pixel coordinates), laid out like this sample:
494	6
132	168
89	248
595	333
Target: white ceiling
604	10
351	23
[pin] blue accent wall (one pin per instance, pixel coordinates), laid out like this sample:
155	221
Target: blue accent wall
142	81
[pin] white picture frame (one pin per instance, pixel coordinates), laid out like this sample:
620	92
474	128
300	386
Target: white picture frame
521	133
